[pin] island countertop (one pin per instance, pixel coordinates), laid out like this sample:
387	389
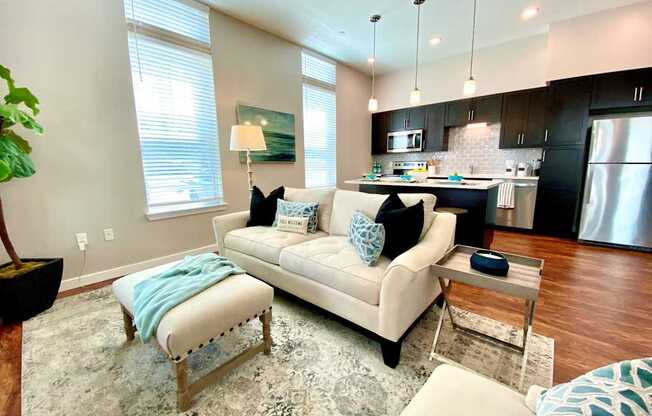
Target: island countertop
432	183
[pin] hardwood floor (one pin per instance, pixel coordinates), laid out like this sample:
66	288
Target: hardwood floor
595	303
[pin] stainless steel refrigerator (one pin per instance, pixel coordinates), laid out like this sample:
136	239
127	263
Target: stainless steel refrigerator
617	205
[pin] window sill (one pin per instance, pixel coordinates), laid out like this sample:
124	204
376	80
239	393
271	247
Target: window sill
156	215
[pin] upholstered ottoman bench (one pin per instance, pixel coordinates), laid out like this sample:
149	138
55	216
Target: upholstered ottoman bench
201	320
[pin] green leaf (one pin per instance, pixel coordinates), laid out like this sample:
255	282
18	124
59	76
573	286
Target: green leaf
14	115
5	171
19	141
5	74
23	95
12	156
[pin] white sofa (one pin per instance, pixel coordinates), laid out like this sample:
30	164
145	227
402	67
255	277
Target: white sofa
324	269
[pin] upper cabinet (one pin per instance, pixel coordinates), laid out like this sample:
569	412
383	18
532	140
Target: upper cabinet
523	119
436	139
474	110
628	89
567	115
380	123
413	118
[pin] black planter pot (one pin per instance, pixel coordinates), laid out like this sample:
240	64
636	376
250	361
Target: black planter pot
31	293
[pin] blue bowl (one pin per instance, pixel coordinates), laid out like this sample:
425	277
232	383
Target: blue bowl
490	262
455	178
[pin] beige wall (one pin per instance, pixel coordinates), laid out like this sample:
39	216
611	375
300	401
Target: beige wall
511	66
611	40
73	55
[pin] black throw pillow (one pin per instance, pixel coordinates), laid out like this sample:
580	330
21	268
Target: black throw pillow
403	225
262	210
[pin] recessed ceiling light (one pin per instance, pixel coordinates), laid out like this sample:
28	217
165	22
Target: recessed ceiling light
529	13
371	60
435	41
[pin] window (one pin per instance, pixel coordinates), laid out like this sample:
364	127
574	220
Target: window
319	120
172	73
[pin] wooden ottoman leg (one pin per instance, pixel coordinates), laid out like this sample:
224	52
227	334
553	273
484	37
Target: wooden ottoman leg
183	393
266	319
128	324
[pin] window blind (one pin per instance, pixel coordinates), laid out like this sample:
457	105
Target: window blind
319	121
175	105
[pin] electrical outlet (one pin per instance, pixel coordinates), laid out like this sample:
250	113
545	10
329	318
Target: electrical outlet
108	234
82	240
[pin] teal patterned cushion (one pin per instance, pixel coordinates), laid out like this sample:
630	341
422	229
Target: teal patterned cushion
622	389
368	238
298	209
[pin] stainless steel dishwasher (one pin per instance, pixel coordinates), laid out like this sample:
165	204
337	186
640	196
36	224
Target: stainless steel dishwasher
525	198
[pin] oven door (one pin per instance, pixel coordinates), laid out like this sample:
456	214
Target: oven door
405	141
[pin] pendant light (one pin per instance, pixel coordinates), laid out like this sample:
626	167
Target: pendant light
415	95
373	102
470	84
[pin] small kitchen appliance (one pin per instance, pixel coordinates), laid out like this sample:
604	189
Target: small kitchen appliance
405	141
510	168
524	169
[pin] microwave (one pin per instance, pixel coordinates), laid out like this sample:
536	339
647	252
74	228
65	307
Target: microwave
405	141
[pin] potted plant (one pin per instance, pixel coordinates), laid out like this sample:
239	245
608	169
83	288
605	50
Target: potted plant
27	286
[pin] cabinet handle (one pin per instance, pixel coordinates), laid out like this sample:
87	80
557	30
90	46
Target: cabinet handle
543	158
472	115
468	117
635	94
640	94
545	136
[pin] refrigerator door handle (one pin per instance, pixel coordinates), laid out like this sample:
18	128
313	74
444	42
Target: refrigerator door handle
589	182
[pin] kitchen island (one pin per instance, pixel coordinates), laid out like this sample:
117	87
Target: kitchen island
478	197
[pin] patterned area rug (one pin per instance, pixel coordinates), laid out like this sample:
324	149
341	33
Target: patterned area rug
76	361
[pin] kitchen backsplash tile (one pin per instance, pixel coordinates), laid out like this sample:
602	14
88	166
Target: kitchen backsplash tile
468	146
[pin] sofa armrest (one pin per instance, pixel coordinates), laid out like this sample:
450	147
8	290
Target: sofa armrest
408	287
222	224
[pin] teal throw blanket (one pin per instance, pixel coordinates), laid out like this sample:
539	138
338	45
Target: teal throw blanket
155	296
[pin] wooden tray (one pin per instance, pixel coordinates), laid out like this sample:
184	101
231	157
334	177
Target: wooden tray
522	280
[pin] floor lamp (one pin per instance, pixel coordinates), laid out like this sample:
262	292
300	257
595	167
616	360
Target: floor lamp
247	138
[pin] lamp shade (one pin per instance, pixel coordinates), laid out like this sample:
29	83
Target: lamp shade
247	137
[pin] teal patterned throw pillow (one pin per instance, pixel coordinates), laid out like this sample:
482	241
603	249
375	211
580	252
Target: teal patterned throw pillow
298	209
368	238
621	389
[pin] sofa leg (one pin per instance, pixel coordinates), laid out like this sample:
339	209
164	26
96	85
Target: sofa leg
391	352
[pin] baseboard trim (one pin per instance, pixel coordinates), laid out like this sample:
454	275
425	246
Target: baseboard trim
103	275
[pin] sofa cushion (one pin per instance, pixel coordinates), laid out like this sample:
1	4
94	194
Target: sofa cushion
299	209
262	209
453	391
402	224
367	237
322	195
265	243
345	203
333	261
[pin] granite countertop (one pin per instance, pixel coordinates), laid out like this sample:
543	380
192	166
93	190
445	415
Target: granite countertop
433	183
493	176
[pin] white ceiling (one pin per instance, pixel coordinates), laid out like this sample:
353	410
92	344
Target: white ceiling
341	30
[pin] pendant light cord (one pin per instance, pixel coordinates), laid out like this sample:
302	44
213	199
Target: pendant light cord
416	63
475	7
373	65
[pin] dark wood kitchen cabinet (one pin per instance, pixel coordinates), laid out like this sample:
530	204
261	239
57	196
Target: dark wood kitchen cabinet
559	192
413	118
567	114
622	90
379	129
436	139
474	110
523	119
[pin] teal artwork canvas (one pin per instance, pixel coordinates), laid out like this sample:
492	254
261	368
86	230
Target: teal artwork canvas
278	129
